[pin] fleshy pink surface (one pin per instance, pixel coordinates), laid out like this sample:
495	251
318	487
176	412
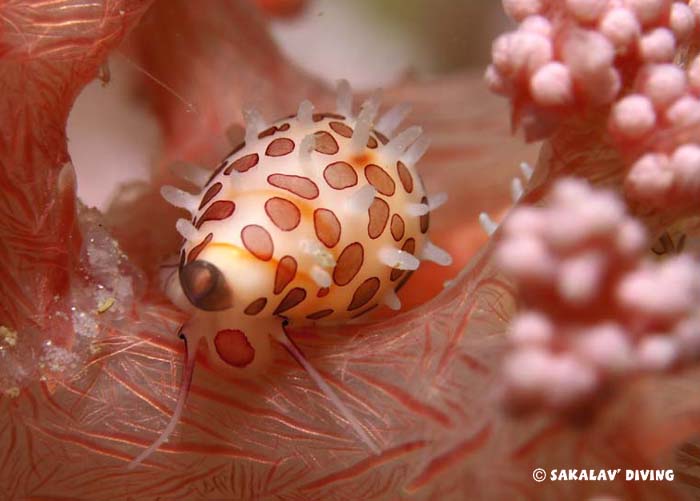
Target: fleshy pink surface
90	359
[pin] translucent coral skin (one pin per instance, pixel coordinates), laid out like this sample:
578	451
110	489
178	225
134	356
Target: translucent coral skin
38	205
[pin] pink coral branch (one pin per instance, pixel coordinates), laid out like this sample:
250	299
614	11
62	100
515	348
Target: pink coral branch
37	212
596	311
618	78
631	61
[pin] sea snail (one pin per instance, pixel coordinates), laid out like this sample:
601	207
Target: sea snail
317	218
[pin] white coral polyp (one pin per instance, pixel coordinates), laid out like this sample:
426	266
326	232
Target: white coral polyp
682	20
579	277
668	290
588	54
551	85
571	380
685	163
631	239
607	346
537	24
663	84
657	353
526	258
658	46
621	27
527	372
531	328
684	112
520	51
650	179
633	116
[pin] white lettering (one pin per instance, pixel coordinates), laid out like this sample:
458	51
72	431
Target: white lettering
583	475
649	475
576	475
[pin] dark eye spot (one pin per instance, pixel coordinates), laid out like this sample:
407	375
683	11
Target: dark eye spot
205	286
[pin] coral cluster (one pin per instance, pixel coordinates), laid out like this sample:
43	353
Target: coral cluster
575	57
596	309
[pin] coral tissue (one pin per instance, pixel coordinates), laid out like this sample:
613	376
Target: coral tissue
596	310
631	60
